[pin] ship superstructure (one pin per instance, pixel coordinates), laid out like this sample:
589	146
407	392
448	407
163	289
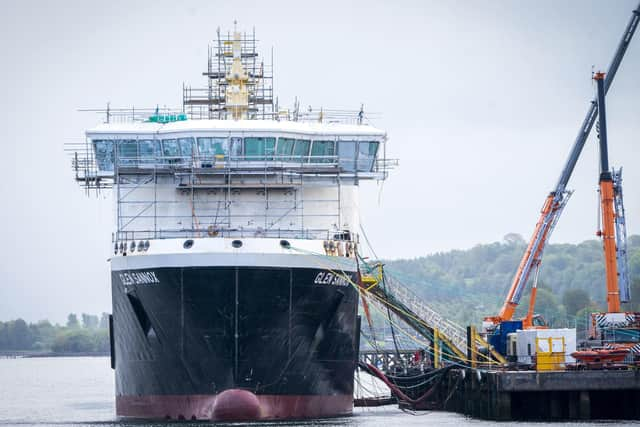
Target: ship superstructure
234	249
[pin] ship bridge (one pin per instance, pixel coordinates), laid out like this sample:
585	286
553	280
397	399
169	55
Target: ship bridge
244	145
177	177
231	162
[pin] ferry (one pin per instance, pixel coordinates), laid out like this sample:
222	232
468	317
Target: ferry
234	264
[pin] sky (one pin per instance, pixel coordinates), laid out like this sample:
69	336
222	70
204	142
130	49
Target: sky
481	100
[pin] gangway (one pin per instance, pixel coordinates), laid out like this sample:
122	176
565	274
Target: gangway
388	292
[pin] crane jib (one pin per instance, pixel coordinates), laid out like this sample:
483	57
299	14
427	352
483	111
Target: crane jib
592	114
543	233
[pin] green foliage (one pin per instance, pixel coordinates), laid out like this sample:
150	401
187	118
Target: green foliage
89	321
72	321
634	305
104	321
575	300
17	335
73	341
471	284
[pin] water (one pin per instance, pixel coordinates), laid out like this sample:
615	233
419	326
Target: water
80	391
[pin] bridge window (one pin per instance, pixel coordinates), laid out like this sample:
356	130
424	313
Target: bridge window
366	155
170	148
128	152
352	155
259	148
347	155
236	147
104	154
149	150
322	151
186	147
170	151
301	150
208	147
285	148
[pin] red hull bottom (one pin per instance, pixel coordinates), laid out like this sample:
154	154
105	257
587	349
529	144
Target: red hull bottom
233	405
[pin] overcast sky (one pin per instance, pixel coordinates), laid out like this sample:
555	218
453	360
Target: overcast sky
481	100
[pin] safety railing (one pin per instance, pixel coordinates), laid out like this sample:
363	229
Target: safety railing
455	333
213	232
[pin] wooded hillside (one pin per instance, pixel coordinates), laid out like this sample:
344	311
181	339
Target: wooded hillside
467	285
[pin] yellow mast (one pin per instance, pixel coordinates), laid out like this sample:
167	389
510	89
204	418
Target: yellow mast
237	92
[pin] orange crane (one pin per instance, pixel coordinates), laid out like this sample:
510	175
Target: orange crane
617	329
608	232
553	206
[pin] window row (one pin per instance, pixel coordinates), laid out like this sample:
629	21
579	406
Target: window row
350	155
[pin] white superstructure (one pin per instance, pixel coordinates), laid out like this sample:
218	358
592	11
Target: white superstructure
229	166
195	178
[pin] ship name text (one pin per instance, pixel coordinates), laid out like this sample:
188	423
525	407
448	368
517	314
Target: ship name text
329	278
139	278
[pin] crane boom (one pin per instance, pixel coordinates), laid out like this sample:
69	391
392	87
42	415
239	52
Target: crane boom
557	199
607	207
592	113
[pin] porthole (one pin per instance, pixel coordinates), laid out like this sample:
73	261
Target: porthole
236	244
146	245
187	244
132	247
285	244
140	246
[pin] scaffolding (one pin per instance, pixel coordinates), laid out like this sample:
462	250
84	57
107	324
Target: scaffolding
165	197
211	102
224	195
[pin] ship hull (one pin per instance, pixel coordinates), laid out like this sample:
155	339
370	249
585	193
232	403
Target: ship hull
233	342
206	407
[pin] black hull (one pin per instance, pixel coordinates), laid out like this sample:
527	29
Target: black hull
275	342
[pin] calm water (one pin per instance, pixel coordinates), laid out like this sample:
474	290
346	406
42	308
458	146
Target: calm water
79	391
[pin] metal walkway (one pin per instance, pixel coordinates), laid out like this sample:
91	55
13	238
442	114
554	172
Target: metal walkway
389	292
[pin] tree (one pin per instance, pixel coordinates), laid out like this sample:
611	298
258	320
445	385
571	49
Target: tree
89	321
74	341
16	335
575	300
101	341
514	239
72	321
43	336
4	336
44	333
635	294
104	321
546	304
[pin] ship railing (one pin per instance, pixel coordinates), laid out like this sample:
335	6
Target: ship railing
84	163
203	108
85	168
133	114
216	231
211	163
386	164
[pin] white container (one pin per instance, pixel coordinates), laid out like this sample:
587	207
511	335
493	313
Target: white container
526	343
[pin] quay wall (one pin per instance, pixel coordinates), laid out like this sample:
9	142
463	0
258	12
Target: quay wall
531	395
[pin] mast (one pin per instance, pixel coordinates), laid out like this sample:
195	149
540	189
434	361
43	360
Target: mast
240	86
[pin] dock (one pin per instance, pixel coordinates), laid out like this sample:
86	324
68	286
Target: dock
555	395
